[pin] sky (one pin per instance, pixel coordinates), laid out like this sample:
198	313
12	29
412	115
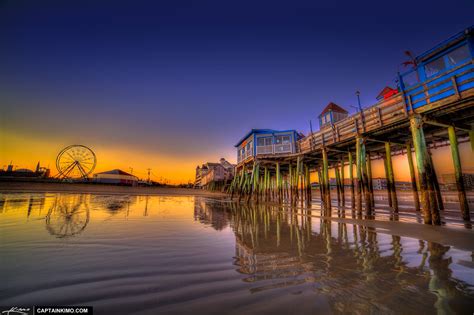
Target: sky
168	85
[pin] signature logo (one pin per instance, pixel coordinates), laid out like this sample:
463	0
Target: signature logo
17	310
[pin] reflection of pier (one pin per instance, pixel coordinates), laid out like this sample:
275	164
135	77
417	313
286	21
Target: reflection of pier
276	249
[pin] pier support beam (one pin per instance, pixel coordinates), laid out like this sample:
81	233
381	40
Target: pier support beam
390	177
351	178
365	180
278	182
327	188
342	183
369	178
439	198
359	175
458	174
414	188
430	212
338	183
308	185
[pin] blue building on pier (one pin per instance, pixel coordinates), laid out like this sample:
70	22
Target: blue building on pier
266	141
441	72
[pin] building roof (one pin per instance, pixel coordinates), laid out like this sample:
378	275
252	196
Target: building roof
259	131
386	90
116	172
334	107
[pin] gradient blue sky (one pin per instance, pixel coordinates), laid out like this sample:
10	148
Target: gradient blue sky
172	84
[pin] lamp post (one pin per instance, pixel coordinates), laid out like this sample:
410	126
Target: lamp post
358	100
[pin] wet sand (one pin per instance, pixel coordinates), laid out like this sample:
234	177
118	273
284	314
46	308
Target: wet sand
103	189
459	237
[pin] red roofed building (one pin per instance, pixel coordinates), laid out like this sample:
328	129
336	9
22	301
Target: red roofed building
386	93
116	177
331	114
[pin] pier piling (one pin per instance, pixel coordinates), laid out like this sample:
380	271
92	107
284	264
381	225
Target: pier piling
458	174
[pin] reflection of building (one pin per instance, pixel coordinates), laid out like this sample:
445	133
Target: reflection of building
116	177
210	214
449	181
213	173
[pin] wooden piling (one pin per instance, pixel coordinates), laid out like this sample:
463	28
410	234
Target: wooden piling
453	141
327	193
369	178
359	175
389	193
420	156
342	182
338	183
308	185
365	181
413	178
320	180
278	181
391	177
351	178
437	190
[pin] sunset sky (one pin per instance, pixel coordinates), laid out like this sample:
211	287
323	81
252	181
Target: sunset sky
170	85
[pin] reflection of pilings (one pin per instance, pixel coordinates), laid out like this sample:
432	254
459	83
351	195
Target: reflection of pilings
440	284
458	174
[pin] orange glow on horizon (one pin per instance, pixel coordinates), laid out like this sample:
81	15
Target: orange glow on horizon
26	152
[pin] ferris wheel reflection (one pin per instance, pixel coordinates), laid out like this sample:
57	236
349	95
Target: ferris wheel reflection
68	216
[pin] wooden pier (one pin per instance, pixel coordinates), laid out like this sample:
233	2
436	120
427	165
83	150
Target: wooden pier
436	111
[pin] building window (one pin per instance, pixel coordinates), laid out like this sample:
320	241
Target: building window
282	140
264	141
458	55
435	67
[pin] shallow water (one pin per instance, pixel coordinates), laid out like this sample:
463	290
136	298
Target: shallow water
175	255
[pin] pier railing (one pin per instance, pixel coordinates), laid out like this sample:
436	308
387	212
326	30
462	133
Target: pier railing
443	89
383	113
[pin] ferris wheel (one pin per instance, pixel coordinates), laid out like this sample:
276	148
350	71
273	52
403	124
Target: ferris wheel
75	161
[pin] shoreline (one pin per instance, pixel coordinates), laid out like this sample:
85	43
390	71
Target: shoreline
26	187
460	238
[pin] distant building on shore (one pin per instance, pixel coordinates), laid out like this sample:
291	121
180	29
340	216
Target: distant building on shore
38	173
449	181
116	177
211	172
